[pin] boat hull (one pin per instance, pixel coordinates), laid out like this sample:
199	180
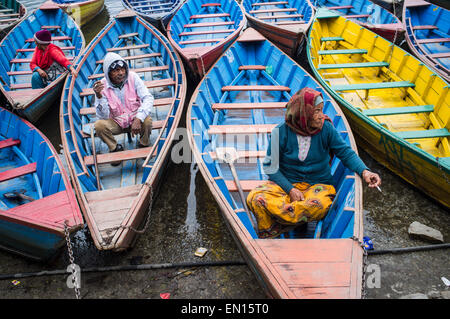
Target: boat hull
84	11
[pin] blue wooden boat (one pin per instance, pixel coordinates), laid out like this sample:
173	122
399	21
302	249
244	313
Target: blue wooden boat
11	12
116	200
201	30
428	34
367	14
16	50
233	110
36	197
285	23
157	12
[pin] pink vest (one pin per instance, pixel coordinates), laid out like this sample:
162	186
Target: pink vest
123	114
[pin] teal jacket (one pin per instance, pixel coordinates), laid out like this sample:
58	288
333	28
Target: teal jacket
283	166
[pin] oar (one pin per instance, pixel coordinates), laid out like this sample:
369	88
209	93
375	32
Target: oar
230	155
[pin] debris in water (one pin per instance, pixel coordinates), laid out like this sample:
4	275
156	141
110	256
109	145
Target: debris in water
164	295
200	252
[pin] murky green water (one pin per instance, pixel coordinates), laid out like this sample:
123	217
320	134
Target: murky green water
185	216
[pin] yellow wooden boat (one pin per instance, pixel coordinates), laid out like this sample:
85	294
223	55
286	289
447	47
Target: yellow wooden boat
82	11
399	108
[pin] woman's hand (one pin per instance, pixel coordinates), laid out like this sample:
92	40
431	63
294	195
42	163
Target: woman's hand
296	195
371	178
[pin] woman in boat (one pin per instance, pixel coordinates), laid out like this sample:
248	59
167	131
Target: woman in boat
123	103
48	61
300	187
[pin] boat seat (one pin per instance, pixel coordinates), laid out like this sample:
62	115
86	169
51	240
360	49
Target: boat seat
255	105
8	143
198	41
118	156
243	154
433	133
17	172
246	185
211	5
128	35
273	10
439	55
20	86
206	32
324	39
208	24
135	57
425	27
435	40
281	17
138	70
371	86
240	129
417	3
352	65
269	3
210	15
256	88
343	51
356	16
252	67
340	7
153	5
70	58
399	110
51	27
156	102
9	15
289	22
6	10
32	49
156	125
56	38
129	47
7	20
148	84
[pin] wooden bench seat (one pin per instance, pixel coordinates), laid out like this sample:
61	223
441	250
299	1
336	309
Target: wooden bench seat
136	57
325	39
17	172
441	55
275	3
433	133
156	103
289	22
210	15
246	185
425	27
56	38
156	125
129	47
342	51
51	27
371	86
20	86
434	40
399	110
211	5
240	129
350	16
9	15
4	21
128	35
148	84
290	16
256	88
252	67
273	10
352	65
340	7
70	58
256	105
118	156
208	24
138	70
32	49
199	41
8	143
206	32
243	154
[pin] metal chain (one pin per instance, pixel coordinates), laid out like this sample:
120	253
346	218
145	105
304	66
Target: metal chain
71	259
443	173
365	254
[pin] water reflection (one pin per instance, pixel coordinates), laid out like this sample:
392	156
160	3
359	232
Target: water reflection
191	223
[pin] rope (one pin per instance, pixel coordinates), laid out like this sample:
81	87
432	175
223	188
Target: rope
408	249
125	268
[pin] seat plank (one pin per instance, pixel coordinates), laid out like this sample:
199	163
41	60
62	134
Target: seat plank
434	40
17	172
208	24
257	105
440	55
56	38
256	88
371	86
8	143
340	7
343	51
136	57
291	16
129	47
352	65
357	16
32	49
211	5
433	133
118	156
206	32
148	84
156	102
325	39
210	15
425	27
252	67
399	110
201	41
241	129
243	154
138	70
247	185
273	10
70	58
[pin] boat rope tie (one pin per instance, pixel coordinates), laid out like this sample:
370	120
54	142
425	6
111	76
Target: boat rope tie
73	268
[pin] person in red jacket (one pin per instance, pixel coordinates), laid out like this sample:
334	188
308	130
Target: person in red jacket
48	61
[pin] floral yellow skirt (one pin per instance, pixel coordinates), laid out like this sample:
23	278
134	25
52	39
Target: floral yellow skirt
275	213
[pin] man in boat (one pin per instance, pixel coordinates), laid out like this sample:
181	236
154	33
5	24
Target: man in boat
123	104
300	187
48	61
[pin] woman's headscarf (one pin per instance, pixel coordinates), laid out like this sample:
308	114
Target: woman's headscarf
300	110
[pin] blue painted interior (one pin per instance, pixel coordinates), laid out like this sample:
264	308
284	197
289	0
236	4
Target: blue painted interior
280	70
301	5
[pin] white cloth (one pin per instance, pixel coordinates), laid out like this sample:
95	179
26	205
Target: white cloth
304	143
